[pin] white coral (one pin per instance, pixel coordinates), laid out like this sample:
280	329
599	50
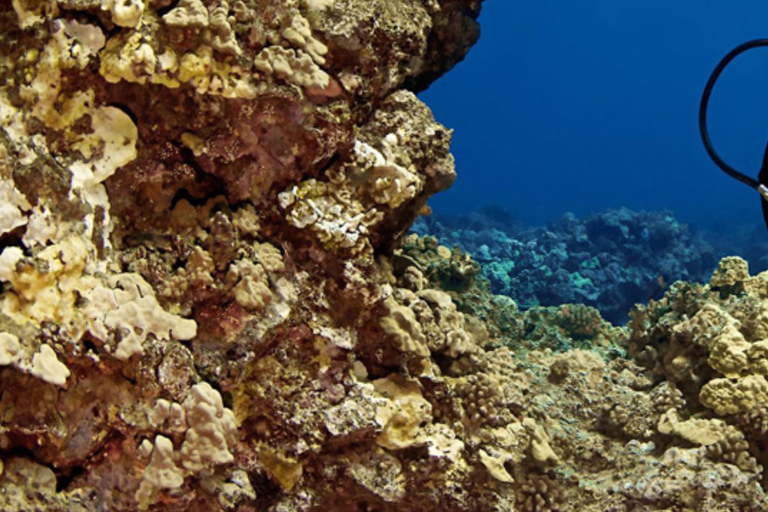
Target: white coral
9	348
133	310
46	366
211	429
161	473
12	207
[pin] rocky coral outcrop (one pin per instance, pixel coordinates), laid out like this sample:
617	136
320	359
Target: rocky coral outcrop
190	192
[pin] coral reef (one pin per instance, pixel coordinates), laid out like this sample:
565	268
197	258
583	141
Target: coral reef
610	260
209	300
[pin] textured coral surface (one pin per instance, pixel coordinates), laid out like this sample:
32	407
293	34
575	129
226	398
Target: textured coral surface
208	301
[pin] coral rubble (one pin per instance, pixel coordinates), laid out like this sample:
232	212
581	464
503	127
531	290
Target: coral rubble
208	300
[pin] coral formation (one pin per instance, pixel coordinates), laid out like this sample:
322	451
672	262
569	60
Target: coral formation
209	300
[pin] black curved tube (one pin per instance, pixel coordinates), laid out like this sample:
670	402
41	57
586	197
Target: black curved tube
705	103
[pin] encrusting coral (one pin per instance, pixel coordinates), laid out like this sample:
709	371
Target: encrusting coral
208	300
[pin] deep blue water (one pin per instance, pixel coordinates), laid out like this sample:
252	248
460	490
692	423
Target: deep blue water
582	106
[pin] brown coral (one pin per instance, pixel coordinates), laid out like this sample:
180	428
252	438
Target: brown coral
482	402
734	449
539	493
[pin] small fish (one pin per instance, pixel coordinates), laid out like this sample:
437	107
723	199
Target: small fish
761	184
660	286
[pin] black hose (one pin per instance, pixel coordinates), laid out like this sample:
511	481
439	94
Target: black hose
703	111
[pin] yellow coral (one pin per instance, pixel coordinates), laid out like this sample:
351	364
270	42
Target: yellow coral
730	272
401	326
402	415
726	396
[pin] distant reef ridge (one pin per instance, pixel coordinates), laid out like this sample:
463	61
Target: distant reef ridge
610	260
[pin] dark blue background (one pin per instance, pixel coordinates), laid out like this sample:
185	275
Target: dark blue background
581	106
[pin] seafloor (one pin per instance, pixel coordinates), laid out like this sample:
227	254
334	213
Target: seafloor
209	300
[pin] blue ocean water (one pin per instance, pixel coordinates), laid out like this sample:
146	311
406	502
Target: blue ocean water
581	106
